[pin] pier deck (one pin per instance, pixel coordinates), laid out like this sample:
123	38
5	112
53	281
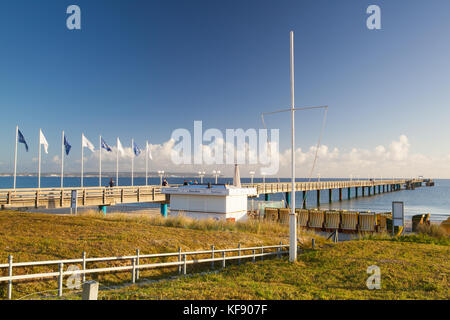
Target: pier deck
104	196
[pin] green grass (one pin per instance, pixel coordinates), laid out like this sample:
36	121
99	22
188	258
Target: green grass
426	234
36	237
408	271
412	267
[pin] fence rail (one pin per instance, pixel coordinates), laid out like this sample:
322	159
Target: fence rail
135	263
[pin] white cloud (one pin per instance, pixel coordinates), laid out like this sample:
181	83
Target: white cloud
395	159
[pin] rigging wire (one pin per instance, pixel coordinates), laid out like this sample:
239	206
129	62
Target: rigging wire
319	142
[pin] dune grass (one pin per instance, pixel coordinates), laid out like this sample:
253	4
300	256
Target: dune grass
36	237
336	271
432	234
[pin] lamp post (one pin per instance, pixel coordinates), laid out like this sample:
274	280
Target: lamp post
201	174
252	174
161	174
216	173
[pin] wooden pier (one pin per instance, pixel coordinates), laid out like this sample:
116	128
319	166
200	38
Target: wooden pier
50	198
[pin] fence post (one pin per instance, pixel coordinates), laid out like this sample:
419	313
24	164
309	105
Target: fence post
84	266
133	271
60	280
262	253
313	243
10	273
184	264
223	261
239	251
137	263
254	255
280	249
212	257
179	260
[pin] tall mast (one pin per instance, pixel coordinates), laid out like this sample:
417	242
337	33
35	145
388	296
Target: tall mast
292	217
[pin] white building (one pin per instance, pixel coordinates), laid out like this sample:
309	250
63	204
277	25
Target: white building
220	202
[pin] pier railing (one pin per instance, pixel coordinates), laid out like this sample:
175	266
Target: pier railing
264	188
134	263
98	196
89	196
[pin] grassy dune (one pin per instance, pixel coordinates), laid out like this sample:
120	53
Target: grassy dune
34	237
408	271
412	267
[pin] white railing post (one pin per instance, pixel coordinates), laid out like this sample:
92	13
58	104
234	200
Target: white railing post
223	261
184	264
84	266
133	270
280	248
262	253
254	255
137	262
10	273
239	247
212	257
60	280
179	260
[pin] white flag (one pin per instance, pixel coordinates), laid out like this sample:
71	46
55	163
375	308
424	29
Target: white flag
85	143
120	148
43	141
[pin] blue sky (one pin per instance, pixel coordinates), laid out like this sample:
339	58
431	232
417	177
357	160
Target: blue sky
140	69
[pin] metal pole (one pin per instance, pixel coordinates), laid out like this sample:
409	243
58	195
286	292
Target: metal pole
100	161
223	261
39	161
117	163
62	160
10	273
292	219
146	163
184	264
132	163
60	280
82	159
254	255
15	156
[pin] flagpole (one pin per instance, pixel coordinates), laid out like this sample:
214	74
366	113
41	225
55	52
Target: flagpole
82	158
62	160
146	163
100	161
117	163
15	156
292	217
132	162
39	161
